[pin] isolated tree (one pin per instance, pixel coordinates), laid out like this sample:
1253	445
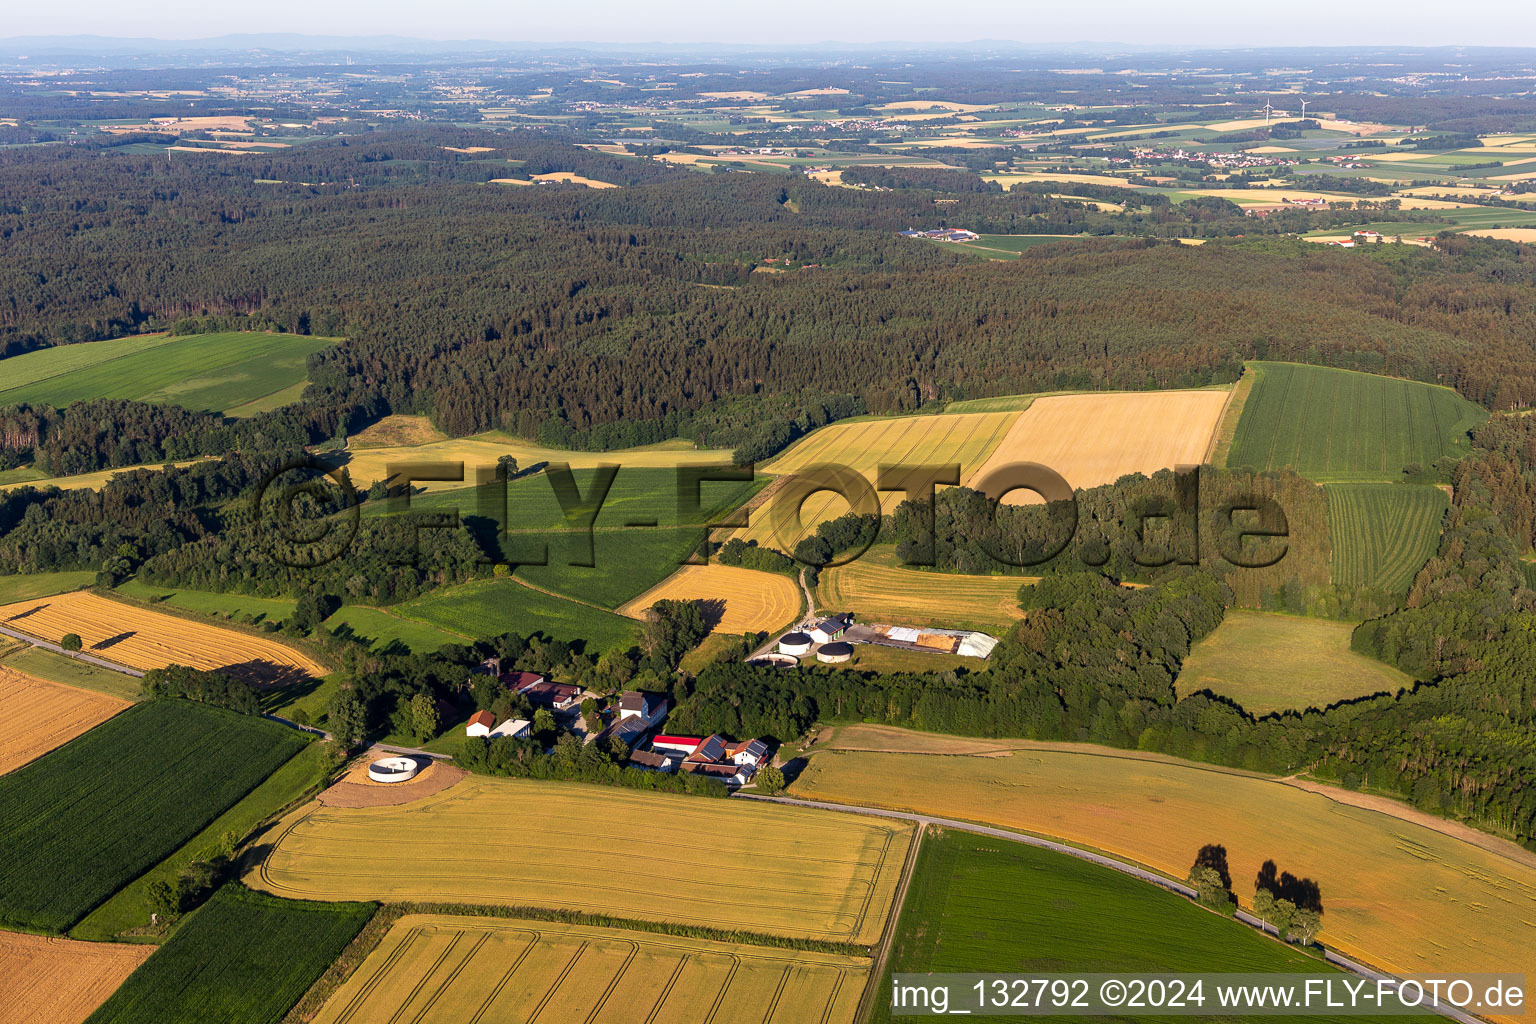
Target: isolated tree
347	718
70	642
425	720
770	779
508	466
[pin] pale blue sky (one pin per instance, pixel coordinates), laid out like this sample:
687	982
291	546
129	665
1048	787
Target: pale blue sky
1201	22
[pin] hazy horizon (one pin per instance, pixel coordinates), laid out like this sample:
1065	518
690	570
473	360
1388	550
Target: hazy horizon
797	22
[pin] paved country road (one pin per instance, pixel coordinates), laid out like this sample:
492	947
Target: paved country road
77	655
1121	866
137	674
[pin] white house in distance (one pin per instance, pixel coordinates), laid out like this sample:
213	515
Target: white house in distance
483	723
516	728
646	707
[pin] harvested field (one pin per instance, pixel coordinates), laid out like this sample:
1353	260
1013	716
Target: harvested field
878	589
1393	890
144	639
1096	439
36	716
812	875
1508	234
1268	662
87	481
394	431
483	450
60	981
735	600
572	178
446	970
964	438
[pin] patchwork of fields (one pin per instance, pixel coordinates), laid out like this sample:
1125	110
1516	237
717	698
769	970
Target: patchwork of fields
243	958
145	639
60	981
977	903
450	970
785	871
217	372
1268	662
1097	439
1395	891
736	600
1383	534
878	589
1339	425
36	716
85	819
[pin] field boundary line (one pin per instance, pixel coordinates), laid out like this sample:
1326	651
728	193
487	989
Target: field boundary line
1145	874
883	947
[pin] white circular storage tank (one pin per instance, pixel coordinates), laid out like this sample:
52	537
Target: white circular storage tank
777	660
835	652
794	643
393	769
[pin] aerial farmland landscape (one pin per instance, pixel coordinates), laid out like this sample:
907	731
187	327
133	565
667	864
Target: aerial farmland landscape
686	514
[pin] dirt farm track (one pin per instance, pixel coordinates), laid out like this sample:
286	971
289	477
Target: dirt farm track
145	639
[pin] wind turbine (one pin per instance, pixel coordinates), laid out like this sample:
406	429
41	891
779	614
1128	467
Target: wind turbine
1303	110
1267	111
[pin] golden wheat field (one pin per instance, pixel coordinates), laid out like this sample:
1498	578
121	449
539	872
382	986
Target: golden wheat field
735	600
61	981
448	970
876	588
36	716
650	856
1397	895
145	639
863	446
1096	439
370	464
1507	234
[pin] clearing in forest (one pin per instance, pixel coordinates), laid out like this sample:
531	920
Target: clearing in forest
812	874
735	600
36	716
60	981
445	970
1338	425
145	639
1268	662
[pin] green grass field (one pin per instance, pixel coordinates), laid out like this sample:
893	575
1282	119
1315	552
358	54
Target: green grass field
42	584
243	958
1337	425
1268	662
493	607
241	607
980	904
128	909
56	668
82	821
1383	533
383	628
218	372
